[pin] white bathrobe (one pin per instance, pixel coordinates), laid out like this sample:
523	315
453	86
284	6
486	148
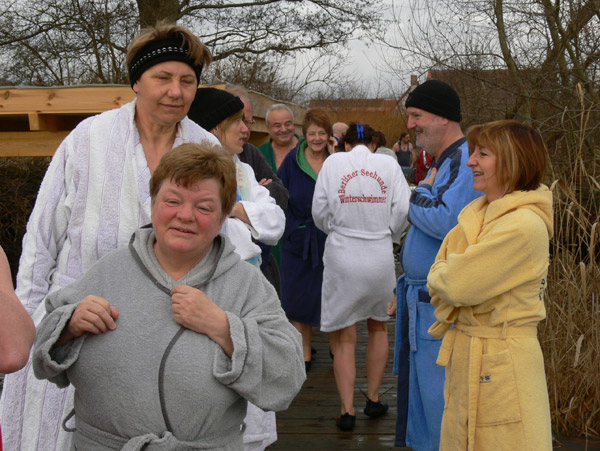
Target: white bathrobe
267	218
361	201
94	195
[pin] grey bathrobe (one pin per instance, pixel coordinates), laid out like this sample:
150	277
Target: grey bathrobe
152	384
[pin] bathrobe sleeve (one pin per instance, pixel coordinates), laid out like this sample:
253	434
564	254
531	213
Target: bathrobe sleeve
267	365
267	220
399	207
254	157
503	258
434	209
445	313
49	361
46	230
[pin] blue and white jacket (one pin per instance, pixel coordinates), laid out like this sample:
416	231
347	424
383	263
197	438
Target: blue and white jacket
434	209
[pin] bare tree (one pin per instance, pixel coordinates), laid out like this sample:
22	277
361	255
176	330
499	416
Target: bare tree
62	43
537	61
52	42
545	48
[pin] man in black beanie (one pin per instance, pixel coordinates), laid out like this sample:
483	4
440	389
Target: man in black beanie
434	113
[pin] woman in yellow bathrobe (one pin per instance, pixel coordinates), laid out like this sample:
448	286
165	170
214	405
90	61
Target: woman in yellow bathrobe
487	285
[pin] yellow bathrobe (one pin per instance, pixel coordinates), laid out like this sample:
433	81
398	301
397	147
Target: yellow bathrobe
488	280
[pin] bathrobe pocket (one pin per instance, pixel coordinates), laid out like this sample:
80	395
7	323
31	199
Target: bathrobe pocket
498	401
425	318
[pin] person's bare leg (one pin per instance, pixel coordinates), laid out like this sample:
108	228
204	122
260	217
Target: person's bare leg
333	339
344	367
306	332
377	355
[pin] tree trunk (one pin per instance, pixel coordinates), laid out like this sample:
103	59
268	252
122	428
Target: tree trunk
151	11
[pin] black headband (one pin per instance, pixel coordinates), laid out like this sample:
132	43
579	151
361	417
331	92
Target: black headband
166	49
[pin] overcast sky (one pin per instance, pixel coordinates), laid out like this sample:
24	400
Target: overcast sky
377	64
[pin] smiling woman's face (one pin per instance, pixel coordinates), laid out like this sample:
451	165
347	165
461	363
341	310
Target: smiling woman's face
186	220
316	138
483	163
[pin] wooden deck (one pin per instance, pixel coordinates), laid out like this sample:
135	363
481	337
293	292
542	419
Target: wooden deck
309	422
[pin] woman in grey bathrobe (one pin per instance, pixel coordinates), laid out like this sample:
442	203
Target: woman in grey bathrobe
178	332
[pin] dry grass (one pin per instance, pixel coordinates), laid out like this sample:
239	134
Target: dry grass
570	336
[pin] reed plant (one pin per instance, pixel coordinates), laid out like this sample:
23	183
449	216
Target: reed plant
570	336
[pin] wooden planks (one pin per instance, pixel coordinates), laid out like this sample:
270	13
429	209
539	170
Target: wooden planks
22	144
64	100
32	119
309	422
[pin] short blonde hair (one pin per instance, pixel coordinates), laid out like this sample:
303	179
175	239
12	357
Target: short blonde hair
226	123
519	149
191	163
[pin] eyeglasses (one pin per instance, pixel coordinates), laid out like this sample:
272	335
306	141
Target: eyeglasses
249	123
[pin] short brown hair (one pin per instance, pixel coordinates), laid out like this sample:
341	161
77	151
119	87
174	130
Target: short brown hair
318	117
191	163
519	149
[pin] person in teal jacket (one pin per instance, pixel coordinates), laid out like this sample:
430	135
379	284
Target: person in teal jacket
279	119
434	114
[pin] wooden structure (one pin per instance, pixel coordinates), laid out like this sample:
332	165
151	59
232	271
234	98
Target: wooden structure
34	121
309	421
385	115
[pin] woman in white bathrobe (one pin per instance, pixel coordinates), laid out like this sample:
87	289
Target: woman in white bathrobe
361	202
94	195
255	216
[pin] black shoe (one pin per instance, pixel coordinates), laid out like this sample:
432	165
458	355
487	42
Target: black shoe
307	365
313	351
375	409
345	422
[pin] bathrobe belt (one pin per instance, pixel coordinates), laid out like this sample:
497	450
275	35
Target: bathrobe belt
311	241
477	333
361	234
153	442
406	338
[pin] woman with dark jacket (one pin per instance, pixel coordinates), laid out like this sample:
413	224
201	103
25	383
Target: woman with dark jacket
302	243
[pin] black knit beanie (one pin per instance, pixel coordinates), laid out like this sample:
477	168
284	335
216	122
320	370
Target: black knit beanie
212	106
436	97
